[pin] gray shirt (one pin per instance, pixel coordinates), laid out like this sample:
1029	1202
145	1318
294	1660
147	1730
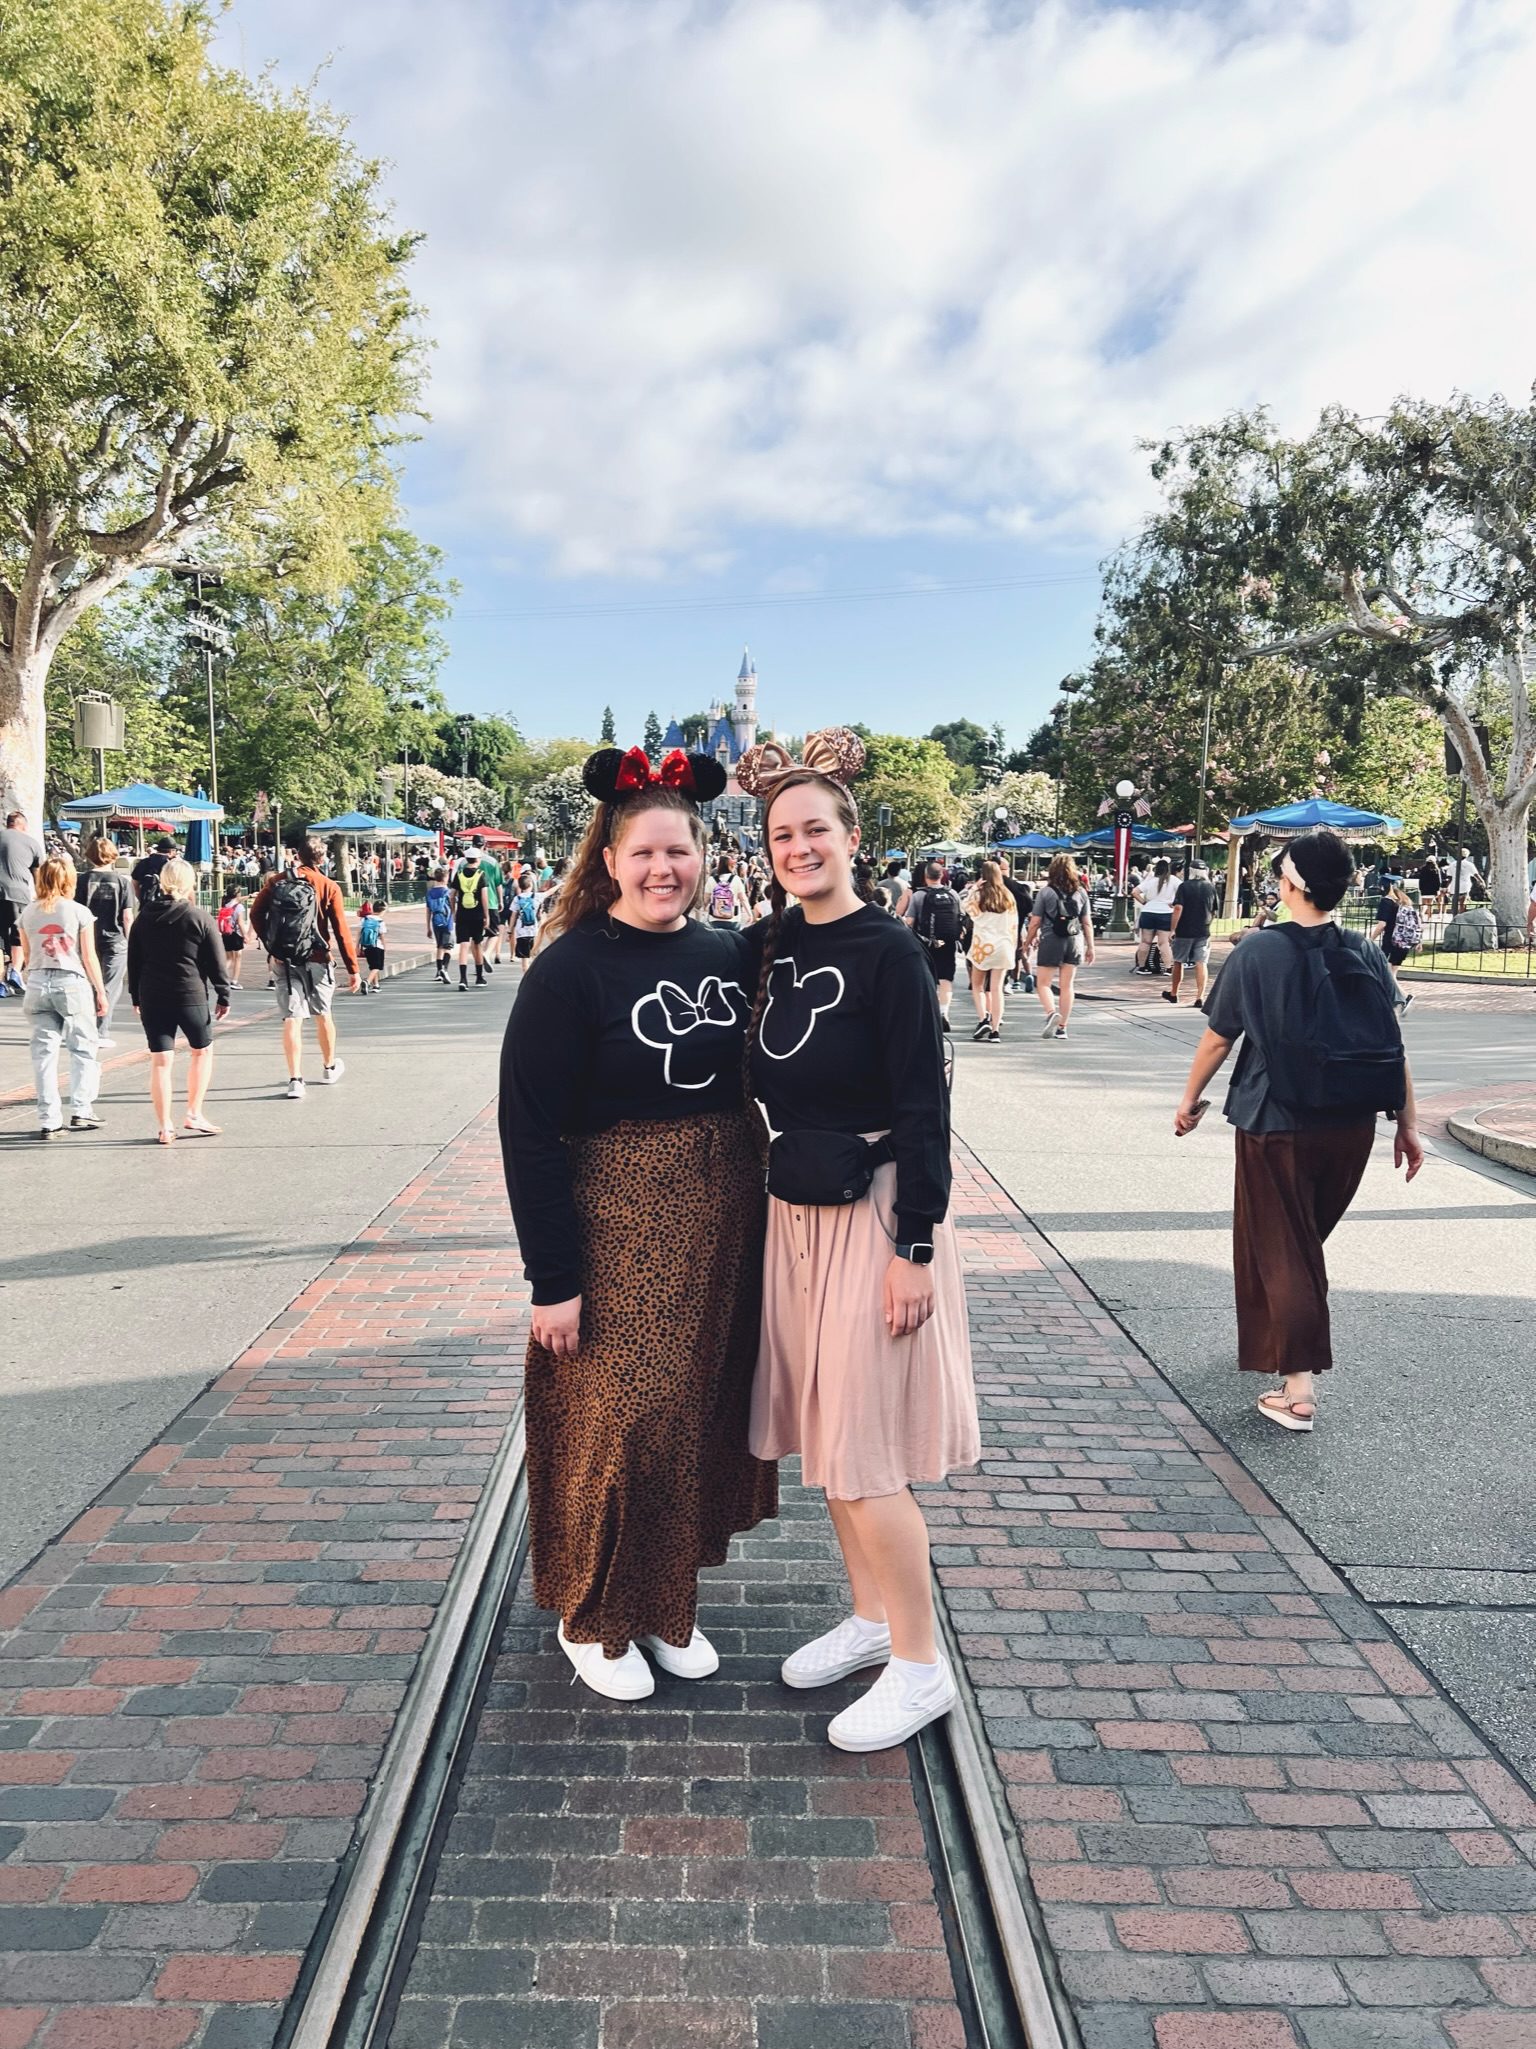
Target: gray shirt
20	853
1247	1003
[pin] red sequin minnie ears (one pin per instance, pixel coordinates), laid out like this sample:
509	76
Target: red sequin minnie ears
613	773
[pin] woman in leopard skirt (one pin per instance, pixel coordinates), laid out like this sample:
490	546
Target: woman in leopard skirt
636	1184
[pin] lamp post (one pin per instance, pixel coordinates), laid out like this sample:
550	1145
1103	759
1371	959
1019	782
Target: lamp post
207	631
412	704
1120	921
1193	852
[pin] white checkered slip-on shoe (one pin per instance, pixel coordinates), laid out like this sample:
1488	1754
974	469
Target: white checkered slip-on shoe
624	1678
695	1659
892	1710
848	1648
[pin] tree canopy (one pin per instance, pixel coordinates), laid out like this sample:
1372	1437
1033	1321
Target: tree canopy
206	338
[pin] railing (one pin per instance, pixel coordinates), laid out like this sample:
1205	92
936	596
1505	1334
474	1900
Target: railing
1485	961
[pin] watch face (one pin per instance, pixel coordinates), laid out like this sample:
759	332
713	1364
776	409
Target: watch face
920	1255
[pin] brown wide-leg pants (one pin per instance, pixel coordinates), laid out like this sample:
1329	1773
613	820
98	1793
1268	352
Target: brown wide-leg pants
1292	1188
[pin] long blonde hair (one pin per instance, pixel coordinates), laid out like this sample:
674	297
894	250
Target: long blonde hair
991	894
588	890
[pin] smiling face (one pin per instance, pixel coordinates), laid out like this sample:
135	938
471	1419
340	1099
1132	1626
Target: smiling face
813	836
656	860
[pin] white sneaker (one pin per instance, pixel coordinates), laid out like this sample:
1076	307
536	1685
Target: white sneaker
625	1678
848	1648
334	1072
1051	1023
106	1045
695	1659
295	1089
892	1710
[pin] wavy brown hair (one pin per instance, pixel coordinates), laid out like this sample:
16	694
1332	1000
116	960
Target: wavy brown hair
1064	875
848	817
588	890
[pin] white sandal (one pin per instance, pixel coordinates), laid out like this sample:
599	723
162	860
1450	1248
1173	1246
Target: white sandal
1283	1411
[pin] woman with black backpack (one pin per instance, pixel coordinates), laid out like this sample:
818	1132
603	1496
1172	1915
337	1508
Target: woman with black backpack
1062	923
1322	1057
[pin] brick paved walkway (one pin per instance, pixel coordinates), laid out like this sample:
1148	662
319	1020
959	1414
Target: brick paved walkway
700	1869
199	1678
1252	1820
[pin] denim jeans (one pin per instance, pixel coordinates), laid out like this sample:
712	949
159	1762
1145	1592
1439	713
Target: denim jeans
62	1008
112	953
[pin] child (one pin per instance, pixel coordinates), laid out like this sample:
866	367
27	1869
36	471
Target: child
370	936
524	918
440	921
232	921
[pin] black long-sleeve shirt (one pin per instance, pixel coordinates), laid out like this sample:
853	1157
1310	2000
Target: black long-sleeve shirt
610	1024
849	1040
174	952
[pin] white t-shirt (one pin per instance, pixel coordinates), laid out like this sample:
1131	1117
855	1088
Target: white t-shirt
53	934
1465	870
1158	896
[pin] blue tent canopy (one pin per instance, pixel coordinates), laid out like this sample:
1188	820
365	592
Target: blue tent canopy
141	800
1034	843
358	822
1141	836
1289	819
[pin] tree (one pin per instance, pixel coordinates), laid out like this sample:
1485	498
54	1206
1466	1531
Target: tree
1396	765
469	802
313	696
654	736
544	801
1392	557
1028	799
913	777
963	741
609	734
695	728
205	339
115	652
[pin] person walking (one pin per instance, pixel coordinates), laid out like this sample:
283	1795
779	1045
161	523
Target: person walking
296	915
635	1179
1322	1056
1061	932
471	916
21	854
491	869
726	904
993	947
233	921
145	874
1189	932
439	907
1154	928
865	1365
64	995
175	955
525	919
105	892
371	929
933	912
1397	931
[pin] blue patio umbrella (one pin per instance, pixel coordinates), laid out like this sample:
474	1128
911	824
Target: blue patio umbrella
361	823
200	837
1141	836
141	800
1285	821
1034	843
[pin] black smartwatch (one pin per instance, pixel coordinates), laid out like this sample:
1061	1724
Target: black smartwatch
920	1255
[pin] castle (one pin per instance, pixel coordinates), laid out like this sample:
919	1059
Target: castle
733	728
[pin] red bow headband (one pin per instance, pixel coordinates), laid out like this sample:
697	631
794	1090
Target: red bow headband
610	774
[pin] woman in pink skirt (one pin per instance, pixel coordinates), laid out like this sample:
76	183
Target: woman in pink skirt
865	1365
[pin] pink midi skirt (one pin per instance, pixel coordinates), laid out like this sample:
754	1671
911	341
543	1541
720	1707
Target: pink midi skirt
868	1413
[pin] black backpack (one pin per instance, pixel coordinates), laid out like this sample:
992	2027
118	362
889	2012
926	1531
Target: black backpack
293	920
1338	1047
938	921
1067	918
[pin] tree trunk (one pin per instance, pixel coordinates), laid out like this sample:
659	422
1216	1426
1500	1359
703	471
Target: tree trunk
23	733
1507	823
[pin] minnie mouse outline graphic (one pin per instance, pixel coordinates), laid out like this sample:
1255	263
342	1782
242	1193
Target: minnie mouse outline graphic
716	1004
832	978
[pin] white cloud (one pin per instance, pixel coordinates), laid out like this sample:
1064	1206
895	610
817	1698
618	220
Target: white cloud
848	267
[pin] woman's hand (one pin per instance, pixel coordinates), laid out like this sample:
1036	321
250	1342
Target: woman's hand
1187	1117
1408	1149
908	1296
557	1327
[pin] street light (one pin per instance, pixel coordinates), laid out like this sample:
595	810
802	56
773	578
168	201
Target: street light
206	630
412	704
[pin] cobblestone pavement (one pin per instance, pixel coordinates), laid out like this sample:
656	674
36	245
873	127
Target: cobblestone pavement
701	1868
1252	1820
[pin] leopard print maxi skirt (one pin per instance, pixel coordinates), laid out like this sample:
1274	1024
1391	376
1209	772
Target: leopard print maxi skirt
638	1468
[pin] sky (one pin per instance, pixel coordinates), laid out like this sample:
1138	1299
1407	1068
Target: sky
833	327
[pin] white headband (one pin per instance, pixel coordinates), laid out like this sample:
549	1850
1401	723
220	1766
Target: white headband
1292	873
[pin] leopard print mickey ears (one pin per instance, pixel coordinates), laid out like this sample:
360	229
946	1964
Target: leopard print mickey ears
836	752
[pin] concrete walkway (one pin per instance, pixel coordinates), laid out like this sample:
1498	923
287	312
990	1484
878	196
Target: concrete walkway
1417	1483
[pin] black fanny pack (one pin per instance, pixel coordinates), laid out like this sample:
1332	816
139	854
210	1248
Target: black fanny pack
820	1169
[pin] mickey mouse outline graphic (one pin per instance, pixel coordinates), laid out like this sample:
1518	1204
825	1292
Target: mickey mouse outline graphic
680	1014
798	985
